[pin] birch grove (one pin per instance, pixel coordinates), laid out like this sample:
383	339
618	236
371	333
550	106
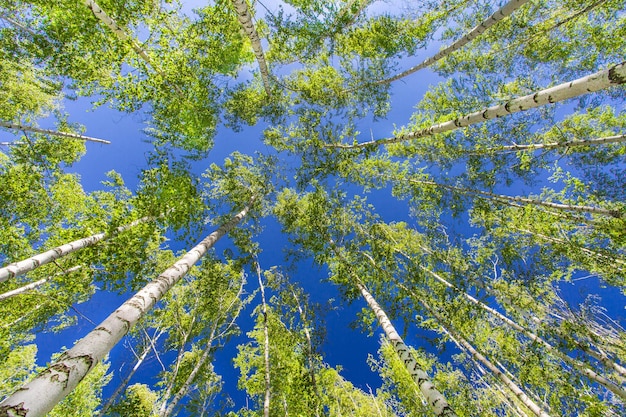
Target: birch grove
486	234
49	387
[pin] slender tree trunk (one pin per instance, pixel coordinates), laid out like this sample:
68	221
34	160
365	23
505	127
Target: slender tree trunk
245	19
581	367
503	12
531	201
181	351
122	386
552	145
121	34
167	409
27	265
309	341
191	377
49	387
590	252
15	126
510	401
601	80
36	284
435	399
266	343
493	368
576	364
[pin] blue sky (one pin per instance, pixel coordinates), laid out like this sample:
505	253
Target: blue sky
127	155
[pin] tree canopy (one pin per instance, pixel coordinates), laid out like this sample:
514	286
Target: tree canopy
442	180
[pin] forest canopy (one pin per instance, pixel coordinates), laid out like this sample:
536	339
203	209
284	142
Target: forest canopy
442	180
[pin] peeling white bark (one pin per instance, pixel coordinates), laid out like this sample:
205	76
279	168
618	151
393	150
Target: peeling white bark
435	399
37	397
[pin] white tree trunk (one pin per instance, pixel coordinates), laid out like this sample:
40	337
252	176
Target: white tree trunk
49	387
435	399
309	340
124	37
179	358
167	411
500	14
494	369
245	19
576	364
27	265
36	284
591	253
553	145
122	386
601	80
266	343
531	201
15	126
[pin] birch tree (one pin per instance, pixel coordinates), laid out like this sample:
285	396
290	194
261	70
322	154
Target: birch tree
245	19
52	132
500	14
591	83
43	258
74	364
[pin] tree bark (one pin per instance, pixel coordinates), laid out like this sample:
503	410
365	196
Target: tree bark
36	284
600	80
531	201
552	145
27	265
245	19
503	12
494	369
49	387
15	126
266	343
122	386
435	399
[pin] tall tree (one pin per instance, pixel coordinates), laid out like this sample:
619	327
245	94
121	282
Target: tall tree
45	390
594	82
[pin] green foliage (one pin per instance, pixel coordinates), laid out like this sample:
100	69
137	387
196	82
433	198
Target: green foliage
138	401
